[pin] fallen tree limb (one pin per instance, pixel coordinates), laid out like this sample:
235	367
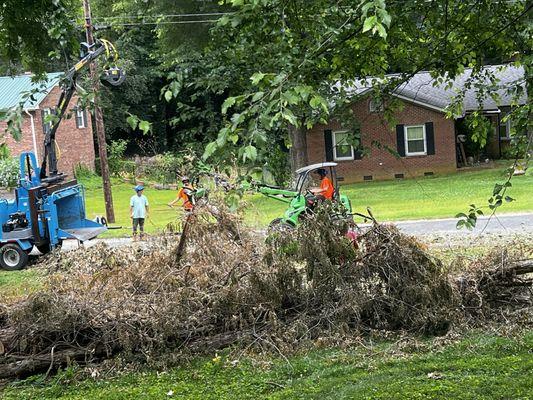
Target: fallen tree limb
521	267
33	364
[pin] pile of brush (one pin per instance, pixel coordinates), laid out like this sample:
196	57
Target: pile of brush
220	285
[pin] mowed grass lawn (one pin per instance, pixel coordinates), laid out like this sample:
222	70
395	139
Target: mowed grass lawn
480	366
160	214
423	198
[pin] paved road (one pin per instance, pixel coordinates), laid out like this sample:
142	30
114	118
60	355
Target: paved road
504	224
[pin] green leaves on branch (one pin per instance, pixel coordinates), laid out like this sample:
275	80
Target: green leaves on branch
136	123
145	126
230	101
173	89
274	107
13	119
209	150
468	220
319	102
480	128
498	195
289	116
33	31
257	77
376	18
249	152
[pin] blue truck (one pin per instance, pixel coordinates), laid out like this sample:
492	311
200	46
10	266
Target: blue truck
48	206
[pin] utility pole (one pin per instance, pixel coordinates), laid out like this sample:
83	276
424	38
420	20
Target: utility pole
99	120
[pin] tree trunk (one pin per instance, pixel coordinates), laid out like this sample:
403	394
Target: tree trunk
298	151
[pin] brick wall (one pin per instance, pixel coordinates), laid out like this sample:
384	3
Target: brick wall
380	163
75	144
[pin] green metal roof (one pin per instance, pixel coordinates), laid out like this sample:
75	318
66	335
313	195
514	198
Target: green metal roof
12	89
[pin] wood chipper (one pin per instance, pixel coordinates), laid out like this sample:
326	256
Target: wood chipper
47	207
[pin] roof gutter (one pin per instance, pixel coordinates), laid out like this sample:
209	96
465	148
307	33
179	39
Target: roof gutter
420	103
33	135
484	111
409	99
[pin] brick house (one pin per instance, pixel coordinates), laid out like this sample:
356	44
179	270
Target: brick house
423	137
74	136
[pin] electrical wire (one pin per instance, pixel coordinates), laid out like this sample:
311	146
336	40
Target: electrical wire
161	23
164	16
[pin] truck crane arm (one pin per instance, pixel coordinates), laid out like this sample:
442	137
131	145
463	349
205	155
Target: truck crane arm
113	76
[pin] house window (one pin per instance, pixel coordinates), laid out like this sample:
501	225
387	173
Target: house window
80	118
375	105
47	125
415	140
342	149
505	128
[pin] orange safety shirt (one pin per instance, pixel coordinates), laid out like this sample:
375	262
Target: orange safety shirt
326	184
187	204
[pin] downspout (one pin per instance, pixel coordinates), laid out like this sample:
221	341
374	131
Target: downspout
33	135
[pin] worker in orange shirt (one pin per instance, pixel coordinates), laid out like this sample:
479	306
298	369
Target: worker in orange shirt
326	189
186	195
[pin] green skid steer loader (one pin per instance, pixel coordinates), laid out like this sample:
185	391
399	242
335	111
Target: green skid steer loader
301	200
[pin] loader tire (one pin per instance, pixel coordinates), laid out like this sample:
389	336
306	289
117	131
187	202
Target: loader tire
12	257
279	226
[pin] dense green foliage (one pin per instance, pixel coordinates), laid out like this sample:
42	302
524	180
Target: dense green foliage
299	51
32	33
9	172
479	366
153	43
275	63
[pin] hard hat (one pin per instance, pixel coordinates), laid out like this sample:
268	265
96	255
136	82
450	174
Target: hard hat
321	172
185	178
138	188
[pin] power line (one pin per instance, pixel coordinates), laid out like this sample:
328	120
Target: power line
164	16
163	23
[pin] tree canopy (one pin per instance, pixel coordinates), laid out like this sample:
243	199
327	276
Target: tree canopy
33	33
244	78
293	57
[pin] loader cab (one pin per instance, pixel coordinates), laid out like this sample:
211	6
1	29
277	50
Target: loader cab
302	200
305	177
